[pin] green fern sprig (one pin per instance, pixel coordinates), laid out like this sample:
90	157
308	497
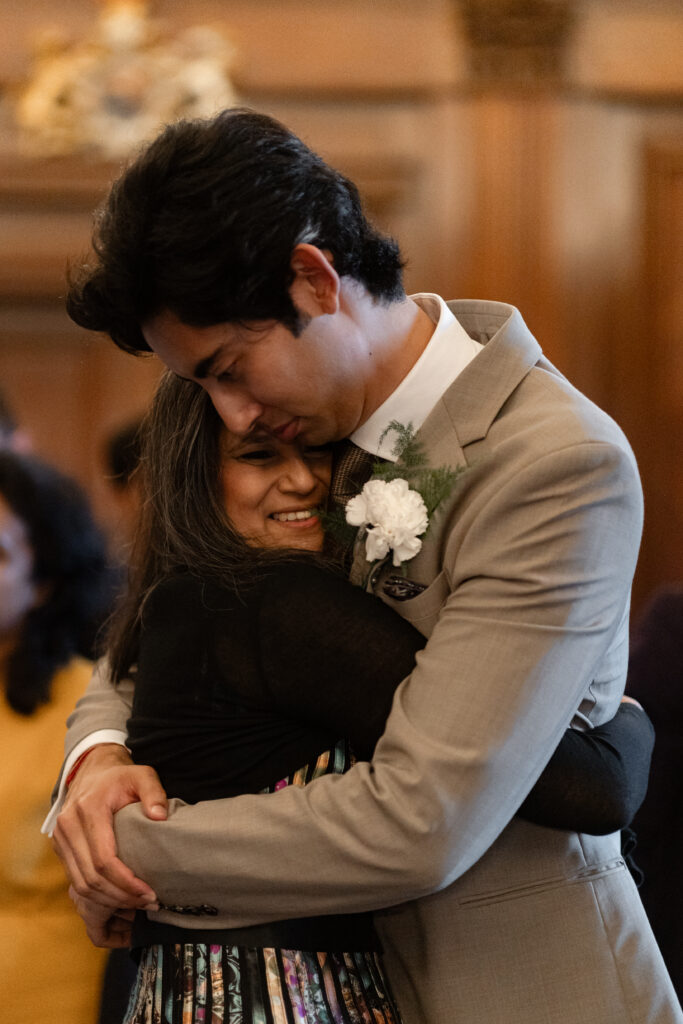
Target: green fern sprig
408	452
334	523
434	484
437	484
412	464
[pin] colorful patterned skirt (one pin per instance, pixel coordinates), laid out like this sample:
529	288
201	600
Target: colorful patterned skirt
202	983
206	984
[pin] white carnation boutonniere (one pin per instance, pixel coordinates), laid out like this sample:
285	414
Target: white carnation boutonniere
394	518
394	508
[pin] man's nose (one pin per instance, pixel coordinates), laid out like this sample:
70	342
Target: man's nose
238	410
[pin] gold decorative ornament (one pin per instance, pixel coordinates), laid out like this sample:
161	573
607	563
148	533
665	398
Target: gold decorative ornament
107	95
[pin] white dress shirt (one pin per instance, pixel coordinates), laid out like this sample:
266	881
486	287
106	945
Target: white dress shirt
448	352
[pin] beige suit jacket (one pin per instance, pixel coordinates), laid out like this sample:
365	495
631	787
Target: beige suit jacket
528	565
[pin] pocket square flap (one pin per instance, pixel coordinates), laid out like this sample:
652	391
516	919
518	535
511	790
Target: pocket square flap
400	588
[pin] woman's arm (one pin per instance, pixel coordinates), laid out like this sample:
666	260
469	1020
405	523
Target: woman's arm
335	655
596	779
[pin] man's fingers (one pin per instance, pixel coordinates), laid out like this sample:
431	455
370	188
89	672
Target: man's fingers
119	930
125	914
95	871
89	886
84	834
104	940
152	796
102	870
106	929
110	934
76	857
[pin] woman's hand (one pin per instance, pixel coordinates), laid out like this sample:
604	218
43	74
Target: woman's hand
104	928
84	835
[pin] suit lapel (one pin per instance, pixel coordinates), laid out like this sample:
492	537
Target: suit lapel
465	412
476	397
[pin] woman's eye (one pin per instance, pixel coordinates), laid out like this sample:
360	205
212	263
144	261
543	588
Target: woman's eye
317	451
257	455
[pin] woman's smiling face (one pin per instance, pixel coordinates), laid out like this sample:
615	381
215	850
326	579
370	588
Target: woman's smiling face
273	491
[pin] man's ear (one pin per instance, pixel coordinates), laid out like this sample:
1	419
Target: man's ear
316	285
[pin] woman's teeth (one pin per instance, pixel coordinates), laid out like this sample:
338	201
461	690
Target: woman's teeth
290	517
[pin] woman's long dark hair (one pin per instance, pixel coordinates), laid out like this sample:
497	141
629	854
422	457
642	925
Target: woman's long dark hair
69	560
183	524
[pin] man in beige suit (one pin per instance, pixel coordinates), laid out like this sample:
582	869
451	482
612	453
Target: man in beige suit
246	264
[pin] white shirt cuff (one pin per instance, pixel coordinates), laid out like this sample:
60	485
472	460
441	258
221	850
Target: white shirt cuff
101	736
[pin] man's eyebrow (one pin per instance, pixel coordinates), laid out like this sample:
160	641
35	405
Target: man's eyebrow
204	367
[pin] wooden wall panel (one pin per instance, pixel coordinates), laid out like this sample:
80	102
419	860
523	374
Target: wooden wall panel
534	192
70	390
629	48
411	163
511	246
286	46
659	437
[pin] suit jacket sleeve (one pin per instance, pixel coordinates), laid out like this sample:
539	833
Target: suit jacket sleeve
102	706
535	597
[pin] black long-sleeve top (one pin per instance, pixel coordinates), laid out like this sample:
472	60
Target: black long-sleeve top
235	691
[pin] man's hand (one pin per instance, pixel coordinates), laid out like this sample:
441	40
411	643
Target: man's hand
84	834
112	931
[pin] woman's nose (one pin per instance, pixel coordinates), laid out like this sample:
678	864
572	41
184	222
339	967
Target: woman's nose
298	476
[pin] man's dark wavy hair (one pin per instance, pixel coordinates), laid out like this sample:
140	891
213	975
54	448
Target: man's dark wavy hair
70	560
204	222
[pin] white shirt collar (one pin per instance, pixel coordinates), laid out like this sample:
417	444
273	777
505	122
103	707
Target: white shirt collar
448	352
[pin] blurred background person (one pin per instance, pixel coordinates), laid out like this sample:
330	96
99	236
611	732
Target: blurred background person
122	457
655	678
11	434
54	590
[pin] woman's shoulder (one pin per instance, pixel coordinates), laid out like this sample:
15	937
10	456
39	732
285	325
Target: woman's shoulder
306	575
297	581
184	592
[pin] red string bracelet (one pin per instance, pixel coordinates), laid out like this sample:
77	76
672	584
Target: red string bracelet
76	765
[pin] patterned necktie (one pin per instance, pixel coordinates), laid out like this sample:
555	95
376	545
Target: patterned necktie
352	468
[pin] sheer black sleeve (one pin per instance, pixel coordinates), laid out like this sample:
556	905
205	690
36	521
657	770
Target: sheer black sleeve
595	781
335	655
